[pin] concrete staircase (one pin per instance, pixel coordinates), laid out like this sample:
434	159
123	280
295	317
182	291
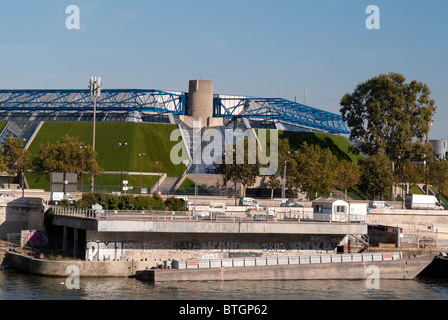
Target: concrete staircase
168	184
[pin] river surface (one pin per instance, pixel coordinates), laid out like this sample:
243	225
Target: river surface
15	285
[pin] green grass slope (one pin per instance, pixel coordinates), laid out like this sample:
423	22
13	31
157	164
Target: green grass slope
149	138
3	125
339	145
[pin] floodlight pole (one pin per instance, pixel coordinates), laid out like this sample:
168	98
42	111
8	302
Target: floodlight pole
141	155
95	92
82	166
24	168
122	145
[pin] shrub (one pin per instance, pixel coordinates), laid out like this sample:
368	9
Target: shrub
175	204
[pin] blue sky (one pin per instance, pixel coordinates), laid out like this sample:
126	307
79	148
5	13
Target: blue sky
247	47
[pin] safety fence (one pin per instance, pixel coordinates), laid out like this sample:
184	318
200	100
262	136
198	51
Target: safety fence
281	260
228	216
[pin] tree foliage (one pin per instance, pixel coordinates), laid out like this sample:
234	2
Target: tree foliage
315	167
67	155
14	156
385	114
347	174
376	174
437	173
241	171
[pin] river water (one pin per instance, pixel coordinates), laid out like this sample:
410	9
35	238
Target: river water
15	285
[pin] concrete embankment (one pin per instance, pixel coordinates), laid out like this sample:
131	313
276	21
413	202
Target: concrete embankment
64	268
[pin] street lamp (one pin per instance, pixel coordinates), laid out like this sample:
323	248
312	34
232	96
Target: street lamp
402	182
82	166
122	145
95	92
158	177
24	168
284	178
424	169
141	155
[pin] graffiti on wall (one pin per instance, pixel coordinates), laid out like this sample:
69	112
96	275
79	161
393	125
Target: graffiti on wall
34	238
117	250
120	250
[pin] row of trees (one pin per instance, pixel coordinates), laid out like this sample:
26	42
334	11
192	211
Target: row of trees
313	170
389	119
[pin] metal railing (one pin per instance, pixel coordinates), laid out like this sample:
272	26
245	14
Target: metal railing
282	260
229	216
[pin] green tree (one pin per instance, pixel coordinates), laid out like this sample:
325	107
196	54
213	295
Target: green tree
315	167
14	156
438	175
386	114
347	174
241	171
67	155
376	174
286	158
175	204
408	172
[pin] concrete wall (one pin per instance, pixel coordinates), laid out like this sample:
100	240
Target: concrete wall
63	268
412	220
17	214
141	246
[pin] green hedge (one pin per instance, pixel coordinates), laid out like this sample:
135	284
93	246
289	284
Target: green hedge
127	202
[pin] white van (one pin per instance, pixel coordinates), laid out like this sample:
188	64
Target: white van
185	198
58	196
375	204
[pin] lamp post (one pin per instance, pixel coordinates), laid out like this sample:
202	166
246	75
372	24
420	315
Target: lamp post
95	92
284	178
82	166
158	176
141	155
24	168
122	145
402	182
424	169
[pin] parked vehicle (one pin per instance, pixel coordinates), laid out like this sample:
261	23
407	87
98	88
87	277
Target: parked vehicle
358	211
58	196
244	201
261	214
215	210
375	204
8	195
422	201
185	198
290	203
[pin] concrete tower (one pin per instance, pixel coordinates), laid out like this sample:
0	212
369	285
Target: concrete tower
200	98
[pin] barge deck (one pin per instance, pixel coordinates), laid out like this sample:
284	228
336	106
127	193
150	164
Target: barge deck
318	267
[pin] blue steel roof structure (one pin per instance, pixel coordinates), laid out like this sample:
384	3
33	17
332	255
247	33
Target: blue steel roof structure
289	112
296	114
81	100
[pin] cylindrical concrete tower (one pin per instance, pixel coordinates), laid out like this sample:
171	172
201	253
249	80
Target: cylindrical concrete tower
200	98
440	148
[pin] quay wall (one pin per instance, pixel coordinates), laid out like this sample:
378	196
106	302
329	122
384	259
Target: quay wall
64	268
412	220
18	214
155	246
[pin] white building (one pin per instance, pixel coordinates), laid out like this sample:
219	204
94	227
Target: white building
330	209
